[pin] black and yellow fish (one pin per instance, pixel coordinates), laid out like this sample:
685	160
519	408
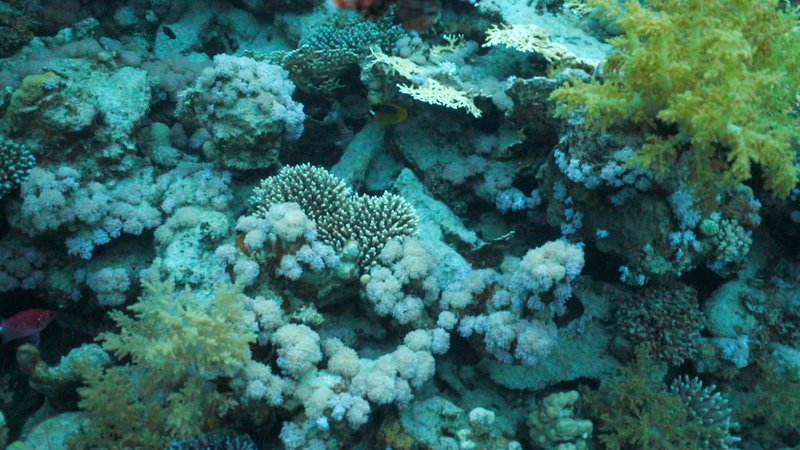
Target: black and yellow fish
388	113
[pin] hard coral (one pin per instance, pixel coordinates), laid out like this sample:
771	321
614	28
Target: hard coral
16	162
710	410
341	216
665	322
712	83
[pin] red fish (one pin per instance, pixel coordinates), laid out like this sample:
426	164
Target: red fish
26	324
415	14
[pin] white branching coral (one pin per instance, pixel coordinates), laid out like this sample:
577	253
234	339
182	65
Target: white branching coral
429	90
526	38
436	93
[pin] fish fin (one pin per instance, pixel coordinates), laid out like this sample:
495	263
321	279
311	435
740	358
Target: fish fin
34	339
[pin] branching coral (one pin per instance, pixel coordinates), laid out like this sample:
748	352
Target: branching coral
324	56
340	215
712	83
709	409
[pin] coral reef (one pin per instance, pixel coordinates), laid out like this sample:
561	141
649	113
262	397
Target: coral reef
243	105
553	425
410	224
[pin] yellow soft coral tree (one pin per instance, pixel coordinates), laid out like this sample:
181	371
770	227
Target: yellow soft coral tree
177	346
713	82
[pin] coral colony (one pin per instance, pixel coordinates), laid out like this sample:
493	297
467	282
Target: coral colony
399	224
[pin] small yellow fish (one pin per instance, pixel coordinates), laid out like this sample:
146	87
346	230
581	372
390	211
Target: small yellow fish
388	113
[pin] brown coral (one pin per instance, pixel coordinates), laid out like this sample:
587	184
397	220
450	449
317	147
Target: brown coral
15	32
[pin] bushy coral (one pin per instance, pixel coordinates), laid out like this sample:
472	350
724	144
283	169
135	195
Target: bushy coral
770	411
179	346
712	83
635	410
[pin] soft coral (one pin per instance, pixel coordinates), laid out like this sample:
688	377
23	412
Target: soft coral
713	83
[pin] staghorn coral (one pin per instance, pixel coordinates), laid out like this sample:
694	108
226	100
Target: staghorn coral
710	410
340	215
712	83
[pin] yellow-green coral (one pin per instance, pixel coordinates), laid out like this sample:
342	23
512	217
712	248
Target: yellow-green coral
714	83
179	345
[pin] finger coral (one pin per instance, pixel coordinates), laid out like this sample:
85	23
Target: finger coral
341	216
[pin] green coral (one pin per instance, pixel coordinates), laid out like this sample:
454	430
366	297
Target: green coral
713	83
179	346
771	410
